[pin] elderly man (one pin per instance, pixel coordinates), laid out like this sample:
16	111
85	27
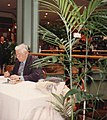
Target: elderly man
22	69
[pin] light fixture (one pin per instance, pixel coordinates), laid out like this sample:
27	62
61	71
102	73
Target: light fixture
45	16
15	26
48	22
46	13
8	4
9	29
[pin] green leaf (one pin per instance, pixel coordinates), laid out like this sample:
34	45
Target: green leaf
71	92
58	98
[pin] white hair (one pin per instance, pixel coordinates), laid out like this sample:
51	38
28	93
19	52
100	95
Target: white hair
22	48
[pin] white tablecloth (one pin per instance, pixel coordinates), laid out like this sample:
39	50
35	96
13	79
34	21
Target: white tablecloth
18	101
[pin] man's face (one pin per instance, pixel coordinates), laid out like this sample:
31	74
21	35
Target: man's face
21	56
2	39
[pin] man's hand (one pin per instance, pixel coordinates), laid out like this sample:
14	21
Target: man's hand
6	74
15	77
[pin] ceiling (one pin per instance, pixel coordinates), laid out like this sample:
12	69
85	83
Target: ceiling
43	18
7	13
52	17
12	10
4	6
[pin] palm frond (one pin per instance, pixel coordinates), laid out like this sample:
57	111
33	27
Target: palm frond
86	20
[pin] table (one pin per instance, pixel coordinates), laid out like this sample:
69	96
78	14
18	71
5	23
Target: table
18	100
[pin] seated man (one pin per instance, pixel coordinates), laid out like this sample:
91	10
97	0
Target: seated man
22	69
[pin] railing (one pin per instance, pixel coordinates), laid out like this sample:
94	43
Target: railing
52	53
75	56
60	72
55	51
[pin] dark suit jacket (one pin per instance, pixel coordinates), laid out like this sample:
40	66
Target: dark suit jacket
29	73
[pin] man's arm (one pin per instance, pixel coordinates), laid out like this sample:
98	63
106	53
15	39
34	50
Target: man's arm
31	73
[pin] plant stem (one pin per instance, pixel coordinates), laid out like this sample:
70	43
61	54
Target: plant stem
70	59
84	105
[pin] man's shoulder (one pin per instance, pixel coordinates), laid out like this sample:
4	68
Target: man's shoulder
31	57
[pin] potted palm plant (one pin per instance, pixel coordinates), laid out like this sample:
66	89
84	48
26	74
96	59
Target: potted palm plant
88	21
